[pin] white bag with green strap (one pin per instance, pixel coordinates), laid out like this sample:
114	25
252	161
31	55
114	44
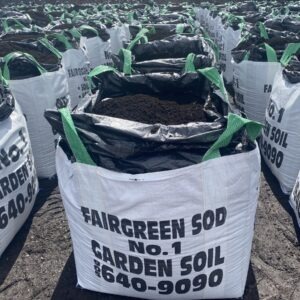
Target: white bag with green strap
178	234
280	139
18	180
35	95
253	83
76	65
118	38
97	50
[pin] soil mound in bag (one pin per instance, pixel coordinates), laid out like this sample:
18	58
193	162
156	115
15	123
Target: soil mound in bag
280	139
17	172
149	109
176	46
19	67
35	94
159	235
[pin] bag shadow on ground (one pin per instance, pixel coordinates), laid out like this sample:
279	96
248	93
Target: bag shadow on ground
282	198
11	253
66	287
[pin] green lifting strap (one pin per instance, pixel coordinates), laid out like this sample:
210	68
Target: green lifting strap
234	124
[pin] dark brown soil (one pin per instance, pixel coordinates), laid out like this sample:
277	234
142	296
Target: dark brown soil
150	110
43	57
39	263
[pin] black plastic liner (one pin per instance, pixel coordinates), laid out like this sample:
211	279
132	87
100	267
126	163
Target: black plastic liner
115	84
176	46
132	147
7	103
168	65
292	72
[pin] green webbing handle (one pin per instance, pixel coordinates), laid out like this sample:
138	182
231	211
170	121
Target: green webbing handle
213	75
2	79
80	153
234	124
127	61
97	71
7	27
63	39
139	36
291	49
263	31
180	28
189	63
75	33
87	27
271	53
214	47
11	56
45	42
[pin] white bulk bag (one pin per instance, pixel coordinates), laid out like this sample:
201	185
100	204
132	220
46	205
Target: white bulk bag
18	181
98	51
230	40
280	140
118	38
35	95
253	83
295	199
179	234
76	65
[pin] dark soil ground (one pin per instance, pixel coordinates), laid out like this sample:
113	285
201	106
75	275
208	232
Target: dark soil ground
39	263
150	110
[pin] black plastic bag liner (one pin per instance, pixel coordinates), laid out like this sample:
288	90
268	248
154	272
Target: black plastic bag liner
287	24
292	72
162	31
112	83
123	62
176	46
7	101
133	147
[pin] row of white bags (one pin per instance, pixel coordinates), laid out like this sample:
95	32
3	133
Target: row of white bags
225	37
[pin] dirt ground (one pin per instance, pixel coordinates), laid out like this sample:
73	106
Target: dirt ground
39	263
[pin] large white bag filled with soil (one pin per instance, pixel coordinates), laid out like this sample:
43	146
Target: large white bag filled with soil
295	200
76	65
253	81
280	140
118	38
97	50
179	234
35	95
18	180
